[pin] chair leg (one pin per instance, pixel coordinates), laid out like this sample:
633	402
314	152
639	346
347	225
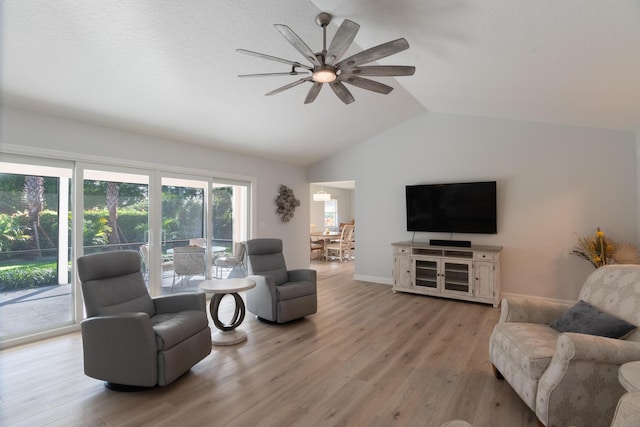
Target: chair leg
497	373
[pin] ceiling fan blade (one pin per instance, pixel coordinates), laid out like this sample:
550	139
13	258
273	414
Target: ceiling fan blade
368	84
374	53
273	58
298	43
342	92
381	70
313	93
341	41
288	86
289	73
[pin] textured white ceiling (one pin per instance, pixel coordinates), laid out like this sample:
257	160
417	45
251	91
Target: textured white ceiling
168	68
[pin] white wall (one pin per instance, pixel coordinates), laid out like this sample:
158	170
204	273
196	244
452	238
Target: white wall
555	182
27	131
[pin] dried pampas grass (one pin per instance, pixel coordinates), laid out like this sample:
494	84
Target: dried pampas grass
625	253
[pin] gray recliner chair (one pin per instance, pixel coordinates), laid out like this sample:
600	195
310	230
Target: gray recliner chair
130	339
280	295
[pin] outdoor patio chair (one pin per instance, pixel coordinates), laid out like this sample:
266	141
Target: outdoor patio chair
230	262
188	261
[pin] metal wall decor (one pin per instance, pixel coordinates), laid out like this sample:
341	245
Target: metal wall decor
286	203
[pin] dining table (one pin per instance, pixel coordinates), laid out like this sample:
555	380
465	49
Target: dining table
332	235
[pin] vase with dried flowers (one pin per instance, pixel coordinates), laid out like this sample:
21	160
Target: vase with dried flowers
601	250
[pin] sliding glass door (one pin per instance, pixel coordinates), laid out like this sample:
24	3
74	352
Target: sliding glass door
52	212
186	249
35	281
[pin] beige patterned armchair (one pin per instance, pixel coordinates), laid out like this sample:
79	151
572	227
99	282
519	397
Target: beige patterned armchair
569	379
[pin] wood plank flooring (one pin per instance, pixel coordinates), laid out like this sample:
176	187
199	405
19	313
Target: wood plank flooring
369	357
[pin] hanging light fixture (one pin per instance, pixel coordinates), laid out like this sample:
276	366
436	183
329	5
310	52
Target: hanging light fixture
321	196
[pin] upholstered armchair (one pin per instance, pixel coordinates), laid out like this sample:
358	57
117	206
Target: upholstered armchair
568	378
280	295
130	339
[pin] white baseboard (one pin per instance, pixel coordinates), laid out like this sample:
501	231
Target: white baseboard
373	279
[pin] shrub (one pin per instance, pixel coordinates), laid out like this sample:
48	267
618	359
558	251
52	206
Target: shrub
28	276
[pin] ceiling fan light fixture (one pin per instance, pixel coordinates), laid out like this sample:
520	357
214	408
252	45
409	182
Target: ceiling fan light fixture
324	75
326	66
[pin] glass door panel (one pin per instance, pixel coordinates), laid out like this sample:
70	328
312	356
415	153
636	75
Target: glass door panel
116	213
230	219
35	255
457	276
426	273
185	244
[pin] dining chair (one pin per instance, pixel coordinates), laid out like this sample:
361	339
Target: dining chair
317	245
341	247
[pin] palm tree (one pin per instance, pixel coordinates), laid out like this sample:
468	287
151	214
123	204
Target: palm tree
113	196
34	199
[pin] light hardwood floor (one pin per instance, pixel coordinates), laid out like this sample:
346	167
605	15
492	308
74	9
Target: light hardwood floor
369	357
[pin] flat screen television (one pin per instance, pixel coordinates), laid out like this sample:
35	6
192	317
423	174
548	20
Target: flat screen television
468	207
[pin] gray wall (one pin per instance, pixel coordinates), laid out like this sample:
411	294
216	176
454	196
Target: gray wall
555	183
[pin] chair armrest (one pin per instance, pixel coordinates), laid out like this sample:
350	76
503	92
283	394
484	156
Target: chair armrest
180	302
581	366
591	348
121	349
262	300
266	282
303	274
530	311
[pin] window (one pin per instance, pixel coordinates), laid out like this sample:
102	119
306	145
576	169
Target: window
331	214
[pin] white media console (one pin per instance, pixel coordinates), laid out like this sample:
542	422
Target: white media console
471	274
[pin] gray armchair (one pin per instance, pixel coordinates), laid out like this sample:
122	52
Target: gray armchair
280	295
130	339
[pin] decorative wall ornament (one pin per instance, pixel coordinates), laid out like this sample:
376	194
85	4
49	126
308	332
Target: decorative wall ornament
286	203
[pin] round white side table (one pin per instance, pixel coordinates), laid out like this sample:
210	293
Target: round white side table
227	334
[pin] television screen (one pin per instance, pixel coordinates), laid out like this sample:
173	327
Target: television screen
457	208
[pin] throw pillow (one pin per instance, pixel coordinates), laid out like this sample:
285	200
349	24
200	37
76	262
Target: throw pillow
584	318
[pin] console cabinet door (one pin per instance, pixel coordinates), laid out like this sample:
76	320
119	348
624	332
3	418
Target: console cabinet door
457	276
402	271
426	272
484	272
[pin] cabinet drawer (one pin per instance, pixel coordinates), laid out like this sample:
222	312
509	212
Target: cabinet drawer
399	250
483	256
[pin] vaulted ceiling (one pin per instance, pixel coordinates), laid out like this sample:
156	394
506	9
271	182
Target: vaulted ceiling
169	68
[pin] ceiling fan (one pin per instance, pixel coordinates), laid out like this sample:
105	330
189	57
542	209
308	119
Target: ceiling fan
327	68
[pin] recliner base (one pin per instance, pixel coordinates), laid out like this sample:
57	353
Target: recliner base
126	388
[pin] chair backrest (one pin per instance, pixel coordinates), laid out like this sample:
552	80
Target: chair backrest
112	283
198	241
615	289
238	251
189	260
144	254
265	258
347	235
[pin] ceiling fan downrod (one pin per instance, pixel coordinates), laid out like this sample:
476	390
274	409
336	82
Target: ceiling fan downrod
324	73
